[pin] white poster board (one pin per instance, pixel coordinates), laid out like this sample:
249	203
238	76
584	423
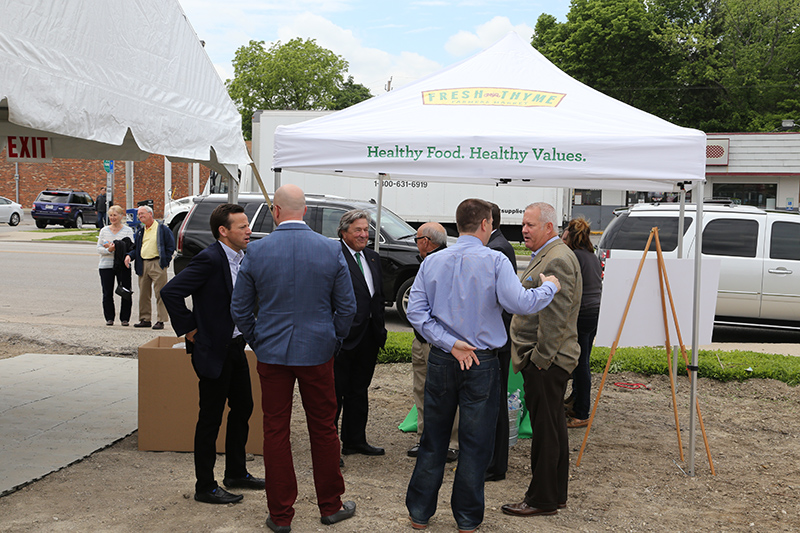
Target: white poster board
644	324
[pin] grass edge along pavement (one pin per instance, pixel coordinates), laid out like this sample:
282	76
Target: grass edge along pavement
733	365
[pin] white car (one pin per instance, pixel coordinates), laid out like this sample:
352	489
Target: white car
10	212
759	279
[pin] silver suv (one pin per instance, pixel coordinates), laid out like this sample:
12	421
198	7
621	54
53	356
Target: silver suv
759	282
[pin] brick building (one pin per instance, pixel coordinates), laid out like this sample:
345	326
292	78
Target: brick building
88	175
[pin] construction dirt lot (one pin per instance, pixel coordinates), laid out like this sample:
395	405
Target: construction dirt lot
631	477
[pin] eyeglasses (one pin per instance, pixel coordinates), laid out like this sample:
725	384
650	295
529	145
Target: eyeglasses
416	239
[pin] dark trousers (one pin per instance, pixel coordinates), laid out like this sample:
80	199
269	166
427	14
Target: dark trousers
123	277
353	370
233	386
318	395
474	393
498	466
582	375
544	397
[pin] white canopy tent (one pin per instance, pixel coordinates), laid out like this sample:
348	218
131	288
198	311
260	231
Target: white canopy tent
113	79
504	115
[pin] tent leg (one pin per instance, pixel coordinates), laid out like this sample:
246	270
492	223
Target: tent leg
698	252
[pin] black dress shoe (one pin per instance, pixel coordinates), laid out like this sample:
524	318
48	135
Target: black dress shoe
218	495
523	509
452	455
276	528
143	324
158	325
414	450
247	482
347	511
363	449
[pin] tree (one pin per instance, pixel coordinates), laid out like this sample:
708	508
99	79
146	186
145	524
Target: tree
351	93
296	75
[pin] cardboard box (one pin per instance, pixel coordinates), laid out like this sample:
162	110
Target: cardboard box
168	400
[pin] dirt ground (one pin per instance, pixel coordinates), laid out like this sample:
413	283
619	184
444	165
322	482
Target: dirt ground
630	478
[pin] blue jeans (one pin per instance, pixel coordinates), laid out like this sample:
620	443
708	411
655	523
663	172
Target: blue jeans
475	392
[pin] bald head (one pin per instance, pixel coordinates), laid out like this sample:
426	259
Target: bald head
289	203
430	236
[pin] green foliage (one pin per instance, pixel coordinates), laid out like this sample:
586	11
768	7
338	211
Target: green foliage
716	65
397	348
74	235
722	366
296	75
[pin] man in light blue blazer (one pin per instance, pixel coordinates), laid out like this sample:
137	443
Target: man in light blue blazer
294	303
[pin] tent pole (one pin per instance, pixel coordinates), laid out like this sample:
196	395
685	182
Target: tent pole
381	177
277	179
698	252
681	226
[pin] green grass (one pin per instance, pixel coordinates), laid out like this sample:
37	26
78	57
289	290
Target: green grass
74	235
520	249
722	366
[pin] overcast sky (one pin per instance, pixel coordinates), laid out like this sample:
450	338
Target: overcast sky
402	40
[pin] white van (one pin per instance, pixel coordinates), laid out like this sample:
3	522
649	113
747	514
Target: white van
759	281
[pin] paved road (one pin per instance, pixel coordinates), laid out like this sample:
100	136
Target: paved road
51	291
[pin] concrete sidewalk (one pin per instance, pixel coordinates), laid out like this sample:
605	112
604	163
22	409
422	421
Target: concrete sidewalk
58	409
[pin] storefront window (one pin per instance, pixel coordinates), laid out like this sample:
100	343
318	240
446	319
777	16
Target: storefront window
587	197
757	194
642	197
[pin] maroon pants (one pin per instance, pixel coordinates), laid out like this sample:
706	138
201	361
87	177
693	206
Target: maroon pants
318	394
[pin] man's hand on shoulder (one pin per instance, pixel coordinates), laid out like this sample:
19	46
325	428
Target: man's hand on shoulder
551	279
464	354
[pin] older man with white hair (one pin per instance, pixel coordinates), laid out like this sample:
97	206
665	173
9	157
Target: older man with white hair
151	257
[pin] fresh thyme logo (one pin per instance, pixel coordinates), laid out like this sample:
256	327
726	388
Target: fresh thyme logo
496	96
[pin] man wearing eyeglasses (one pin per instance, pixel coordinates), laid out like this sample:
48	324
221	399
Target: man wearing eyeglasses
431	237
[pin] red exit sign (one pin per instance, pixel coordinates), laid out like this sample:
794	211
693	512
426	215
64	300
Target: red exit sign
28	149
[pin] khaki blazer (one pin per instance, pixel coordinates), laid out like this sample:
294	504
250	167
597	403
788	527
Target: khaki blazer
551	335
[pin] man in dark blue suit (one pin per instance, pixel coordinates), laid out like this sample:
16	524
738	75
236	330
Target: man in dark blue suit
499	463
217	350
355	364
300	283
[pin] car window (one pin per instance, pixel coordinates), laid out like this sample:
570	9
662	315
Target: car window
731	237
392	225
53	197
3	201
631	233
329	224
785	241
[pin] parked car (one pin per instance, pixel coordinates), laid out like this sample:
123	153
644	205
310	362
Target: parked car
67	207
399	254
10	212
759	281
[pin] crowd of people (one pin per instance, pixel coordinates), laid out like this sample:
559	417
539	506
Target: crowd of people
312	310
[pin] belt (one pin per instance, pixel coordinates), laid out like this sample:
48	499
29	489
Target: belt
152	258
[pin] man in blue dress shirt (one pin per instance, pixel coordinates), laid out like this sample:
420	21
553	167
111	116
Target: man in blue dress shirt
456	303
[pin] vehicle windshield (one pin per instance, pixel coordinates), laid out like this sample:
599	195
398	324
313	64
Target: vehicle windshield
53	197
391	224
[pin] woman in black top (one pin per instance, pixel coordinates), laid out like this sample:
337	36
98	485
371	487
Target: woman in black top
576	236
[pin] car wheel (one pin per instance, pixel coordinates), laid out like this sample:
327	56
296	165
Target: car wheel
401	300
79	221
41	224
14	220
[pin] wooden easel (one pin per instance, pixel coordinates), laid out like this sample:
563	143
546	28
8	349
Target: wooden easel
663	283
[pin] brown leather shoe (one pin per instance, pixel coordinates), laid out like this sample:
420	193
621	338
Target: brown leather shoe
523	509
158	325
577	422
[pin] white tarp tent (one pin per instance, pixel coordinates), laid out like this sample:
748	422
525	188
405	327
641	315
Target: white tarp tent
505	114
113	79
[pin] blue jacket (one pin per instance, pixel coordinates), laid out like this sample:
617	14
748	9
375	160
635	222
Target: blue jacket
299	283
165	244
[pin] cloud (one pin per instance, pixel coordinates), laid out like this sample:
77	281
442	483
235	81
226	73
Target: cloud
370	67
465	43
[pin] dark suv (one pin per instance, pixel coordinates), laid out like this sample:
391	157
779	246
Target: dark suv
63	206
399	254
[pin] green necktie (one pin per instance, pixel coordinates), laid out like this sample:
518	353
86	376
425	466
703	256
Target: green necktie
358	260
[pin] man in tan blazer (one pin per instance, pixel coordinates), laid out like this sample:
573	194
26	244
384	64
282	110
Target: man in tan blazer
545	349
